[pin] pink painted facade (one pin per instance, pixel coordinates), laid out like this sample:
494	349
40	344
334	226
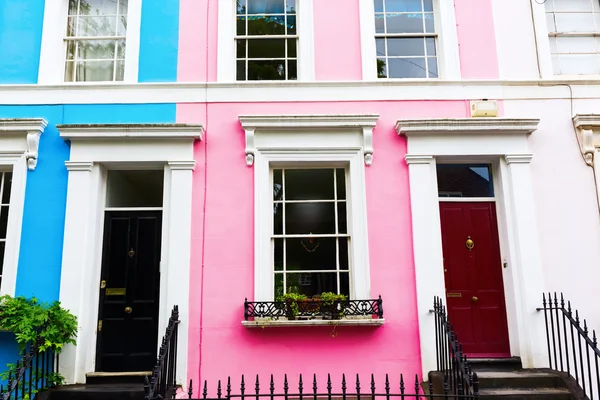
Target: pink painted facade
222	260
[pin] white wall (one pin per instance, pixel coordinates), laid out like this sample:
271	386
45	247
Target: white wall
567	208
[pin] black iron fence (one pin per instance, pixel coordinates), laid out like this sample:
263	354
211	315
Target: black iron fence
37	370
458	378
570	347
351	389
313	309
162	383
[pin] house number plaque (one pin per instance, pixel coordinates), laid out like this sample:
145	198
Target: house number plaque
115	292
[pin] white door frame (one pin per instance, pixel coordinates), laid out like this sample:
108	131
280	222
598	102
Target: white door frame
94	149
503	143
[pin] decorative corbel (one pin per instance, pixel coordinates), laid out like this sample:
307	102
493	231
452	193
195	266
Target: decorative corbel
250	149
33	142
368	144
586	141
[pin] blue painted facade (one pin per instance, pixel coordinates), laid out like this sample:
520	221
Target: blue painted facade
21	24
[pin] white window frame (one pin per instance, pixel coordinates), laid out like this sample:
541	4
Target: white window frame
19	140
226	57
54	46
328	141
445	35
542	35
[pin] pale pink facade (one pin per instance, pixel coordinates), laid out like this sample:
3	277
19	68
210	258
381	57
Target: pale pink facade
222	260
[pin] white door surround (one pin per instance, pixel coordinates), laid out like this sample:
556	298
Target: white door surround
501	142
94	150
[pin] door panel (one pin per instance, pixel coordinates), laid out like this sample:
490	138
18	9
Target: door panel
474	287
127	339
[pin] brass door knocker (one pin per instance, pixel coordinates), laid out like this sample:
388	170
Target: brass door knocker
131	253
469	243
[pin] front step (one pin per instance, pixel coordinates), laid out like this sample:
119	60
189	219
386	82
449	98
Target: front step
495	364
523	379
93	378
540	393
96	392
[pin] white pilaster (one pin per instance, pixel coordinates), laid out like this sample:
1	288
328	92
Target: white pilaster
427	245
78	252
176	265
527	272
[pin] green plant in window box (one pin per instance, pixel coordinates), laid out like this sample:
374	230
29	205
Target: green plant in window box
330	305
291	301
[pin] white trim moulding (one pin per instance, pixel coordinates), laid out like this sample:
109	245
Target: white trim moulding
315	322
466	125
135	131
341	122
32	128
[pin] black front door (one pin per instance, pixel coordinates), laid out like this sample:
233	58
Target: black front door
129	289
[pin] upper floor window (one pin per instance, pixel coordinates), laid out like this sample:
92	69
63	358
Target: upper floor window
266	40
574	31
96	40
405	37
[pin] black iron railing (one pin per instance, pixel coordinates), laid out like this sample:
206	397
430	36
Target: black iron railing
37	370
459	379
162	383
570	347
313	309
310	389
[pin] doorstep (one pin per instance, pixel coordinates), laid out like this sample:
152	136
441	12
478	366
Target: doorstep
268	323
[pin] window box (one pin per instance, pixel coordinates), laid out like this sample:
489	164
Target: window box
313	311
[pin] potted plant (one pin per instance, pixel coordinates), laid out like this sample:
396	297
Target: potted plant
291	303
330	305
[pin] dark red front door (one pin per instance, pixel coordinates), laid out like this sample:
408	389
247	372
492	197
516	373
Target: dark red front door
473	274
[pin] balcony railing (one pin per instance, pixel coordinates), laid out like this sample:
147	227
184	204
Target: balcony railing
312	308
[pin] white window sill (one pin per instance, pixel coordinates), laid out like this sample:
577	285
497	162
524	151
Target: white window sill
267	323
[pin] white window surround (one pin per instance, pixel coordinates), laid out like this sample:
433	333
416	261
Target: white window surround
293	140
226	64
588	132
94	150
447	41
502	142
53	50
19	140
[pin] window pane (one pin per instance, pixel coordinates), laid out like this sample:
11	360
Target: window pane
96	26
378	5
241	25
73	7
310	254
381	68
345	284
94	71
121	49
70	71
430	46
266	48
340	181
569	5
4	222
290	6
241	6
379	23
406	47
305	218
266	6
119	71
429	23
96	49
292	52
277	184
122	26
266	70
432	67
464	180
309	184
241	71
342	218
403	5
428	5
291	25
292	70
2	249
311	284
380	45
344	256
7	187
407	68
123	5
241	48
579	64
586	44
404	23
278	218
278	285
574	22
72	26
261	25
278	254
97	7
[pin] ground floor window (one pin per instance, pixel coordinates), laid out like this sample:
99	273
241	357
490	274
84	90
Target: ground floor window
310	237
5	187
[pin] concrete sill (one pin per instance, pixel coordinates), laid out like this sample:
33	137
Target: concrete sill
266	323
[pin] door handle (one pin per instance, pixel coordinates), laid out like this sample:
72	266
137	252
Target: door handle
474	299
128	310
